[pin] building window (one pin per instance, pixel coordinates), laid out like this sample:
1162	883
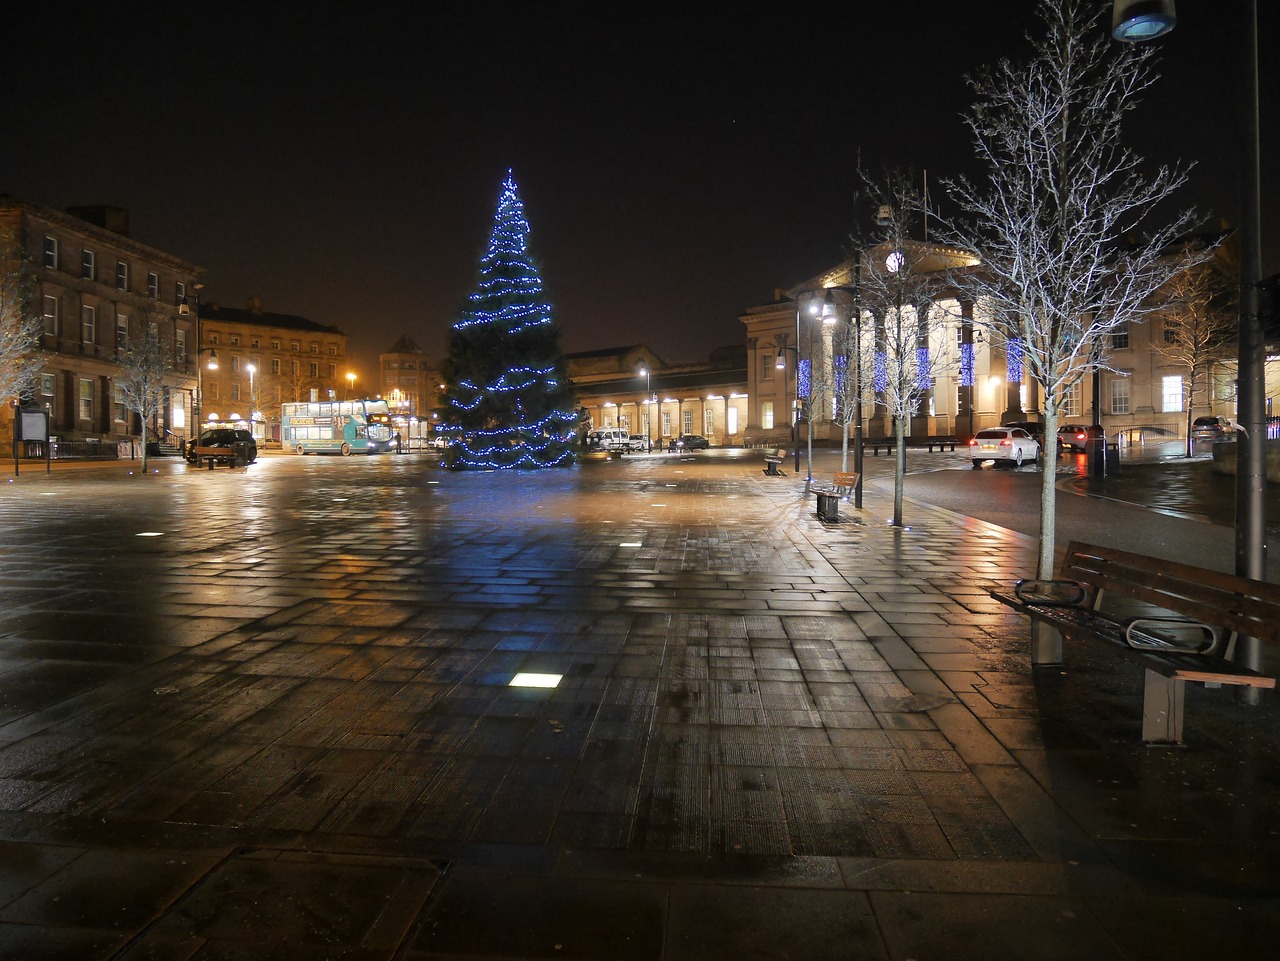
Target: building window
1071	402
235	390
688	422
295	347
51	315
666	423
213	340
88	324
179	293
766	415
213	391
732	426
88	265
315	369
622	421
313	348
275	345
333	371
235	340
153	284
333	350
122	275
86	400
51	252
122	331
119	405
255	343
180	346
1171	393
1119	395
767	366
708	422
1120	337
275	366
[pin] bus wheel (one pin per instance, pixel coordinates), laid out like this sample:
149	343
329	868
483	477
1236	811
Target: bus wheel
299	450
346	450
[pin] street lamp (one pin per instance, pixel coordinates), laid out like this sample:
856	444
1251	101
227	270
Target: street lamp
351	384
856	323
252	403
1137	20
648	406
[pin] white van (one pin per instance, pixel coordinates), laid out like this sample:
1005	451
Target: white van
609	438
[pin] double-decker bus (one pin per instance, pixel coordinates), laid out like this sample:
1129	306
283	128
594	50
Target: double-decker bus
336	427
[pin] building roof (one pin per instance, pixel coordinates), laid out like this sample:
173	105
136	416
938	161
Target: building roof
255	316
405	345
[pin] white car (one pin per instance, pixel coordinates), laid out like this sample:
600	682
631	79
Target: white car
1012	445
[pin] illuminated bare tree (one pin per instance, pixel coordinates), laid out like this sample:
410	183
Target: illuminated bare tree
20	325
1199	315
909	345
144	366
1064	219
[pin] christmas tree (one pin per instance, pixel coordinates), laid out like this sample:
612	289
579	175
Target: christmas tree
507	399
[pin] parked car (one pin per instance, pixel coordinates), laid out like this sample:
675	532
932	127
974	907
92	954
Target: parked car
1211	428
638	442
1073	438
689	442
1012	445
223	437
609	438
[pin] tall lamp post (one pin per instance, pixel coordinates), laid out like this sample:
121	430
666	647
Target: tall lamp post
252	405
648	408
1138	20
351	384
855	322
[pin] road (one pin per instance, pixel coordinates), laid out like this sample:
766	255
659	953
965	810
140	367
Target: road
1011	499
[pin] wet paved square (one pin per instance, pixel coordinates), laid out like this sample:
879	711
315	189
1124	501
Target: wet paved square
315	655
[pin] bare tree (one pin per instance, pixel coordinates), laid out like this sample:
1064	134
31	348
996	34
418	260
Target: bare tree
144	366
1199	315
909	347
20	325
1064	219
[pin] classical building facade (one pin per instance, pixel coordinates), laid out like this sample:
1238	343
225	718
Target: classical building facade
94	284
975	382
634	389
263	360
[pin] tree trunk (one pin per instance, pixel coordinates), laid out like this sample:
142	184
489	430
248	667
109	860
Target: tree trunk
899	467
1048	493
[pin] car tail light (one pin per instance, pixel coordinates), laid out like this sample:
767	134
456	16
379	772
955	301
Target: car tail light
1081	435
973	442
1006	443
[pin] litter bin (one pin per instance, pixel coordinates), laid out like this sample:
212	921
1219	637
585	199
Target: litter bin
1113	460
239	454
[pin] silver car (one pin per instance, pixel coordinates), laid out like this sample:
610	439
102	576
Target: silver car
1010	445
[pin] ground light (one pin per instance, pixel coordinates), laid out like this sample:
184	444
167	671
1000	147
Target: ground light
526	679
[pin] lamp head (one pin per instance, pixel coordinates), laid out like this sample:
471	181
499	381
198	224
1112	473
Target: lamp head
1134	21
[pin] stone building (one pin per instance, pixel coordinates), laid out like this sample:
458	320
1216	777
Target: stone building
263	360
94	284
410	386
634	389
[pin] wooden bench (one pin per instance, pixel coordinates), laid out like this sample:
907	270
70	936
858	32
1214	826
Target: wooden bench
829	495
773	459
1177	621
890	443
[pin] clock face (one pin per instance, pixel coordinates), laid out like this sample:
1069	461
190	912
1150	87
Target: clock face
894	261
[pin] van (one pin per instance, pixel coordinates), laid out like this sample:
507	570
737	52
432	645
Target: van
608	438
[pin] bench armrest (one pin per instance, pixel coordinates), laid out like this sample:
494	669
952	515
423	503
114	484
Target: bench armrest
1050	593
1162	634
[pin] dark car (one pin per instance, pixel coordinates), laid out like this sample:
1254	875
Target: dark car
237	442
689	442
1211	428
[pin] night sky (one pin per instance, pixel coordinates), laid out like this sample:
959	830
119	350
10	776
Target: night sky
343	162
